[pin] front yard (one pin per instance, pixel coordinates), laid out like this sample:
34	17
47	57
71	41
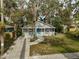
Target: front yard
60	43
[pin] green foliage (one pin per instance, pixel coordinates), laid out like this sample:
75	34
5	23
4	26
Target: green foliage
57	22
8	41
18	32
65	16
7	36
77	16
52	40
58	44
9	6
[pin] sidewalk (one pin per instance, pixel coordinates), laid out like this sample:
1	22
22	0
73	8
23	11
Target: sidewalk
15	51
58	56
27	48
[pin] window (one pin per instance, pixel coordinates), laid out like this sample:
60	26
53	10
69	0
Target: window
52	29
25	30
31	30
47	29
38	29
42	29
9	29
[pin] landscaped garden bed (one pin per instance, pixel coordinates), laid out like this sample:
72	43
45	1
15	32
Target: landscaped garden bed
60	43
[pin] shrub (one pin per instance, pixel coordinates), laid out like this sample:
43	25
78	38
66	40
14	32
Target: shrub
73	34
7	36
18	32
8	41
53	40
59	29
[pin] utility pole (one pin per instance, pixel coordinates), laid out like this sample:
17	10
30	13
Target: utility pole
2	20
1	34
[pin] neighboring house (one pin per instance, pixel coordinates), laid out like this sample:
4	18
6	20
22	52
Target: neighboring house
9	30
28	31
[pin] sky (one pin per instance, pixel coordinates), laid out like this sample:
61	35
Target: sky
61	1
73	1
27	1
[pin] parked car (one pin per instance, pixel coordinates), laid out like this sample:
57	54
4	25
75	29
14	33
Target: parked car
72	28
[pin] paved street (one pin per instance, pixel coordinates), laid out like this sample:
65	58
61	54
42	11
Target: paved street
56	56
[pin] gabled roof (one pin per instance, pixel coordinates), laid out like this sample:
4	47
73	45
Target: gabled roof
39	24
43	25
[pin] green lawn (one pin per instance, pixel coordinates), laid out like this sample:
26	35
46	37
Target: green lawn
62	44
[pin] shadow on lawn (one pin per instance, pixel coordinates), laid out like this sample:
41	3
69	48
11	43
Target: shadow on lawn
69	49
72	37
70	53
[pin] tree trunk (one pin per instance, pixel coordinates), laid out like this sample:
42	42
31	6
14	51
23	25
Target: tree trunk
2	44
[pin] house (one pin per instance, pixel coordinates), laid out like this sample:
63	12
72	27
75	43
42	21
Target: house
40	29
43	29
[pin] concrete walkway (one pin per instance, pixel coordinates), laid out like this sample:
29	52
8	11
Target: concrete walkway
17	51
20	49
27	49
58	56
40	39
